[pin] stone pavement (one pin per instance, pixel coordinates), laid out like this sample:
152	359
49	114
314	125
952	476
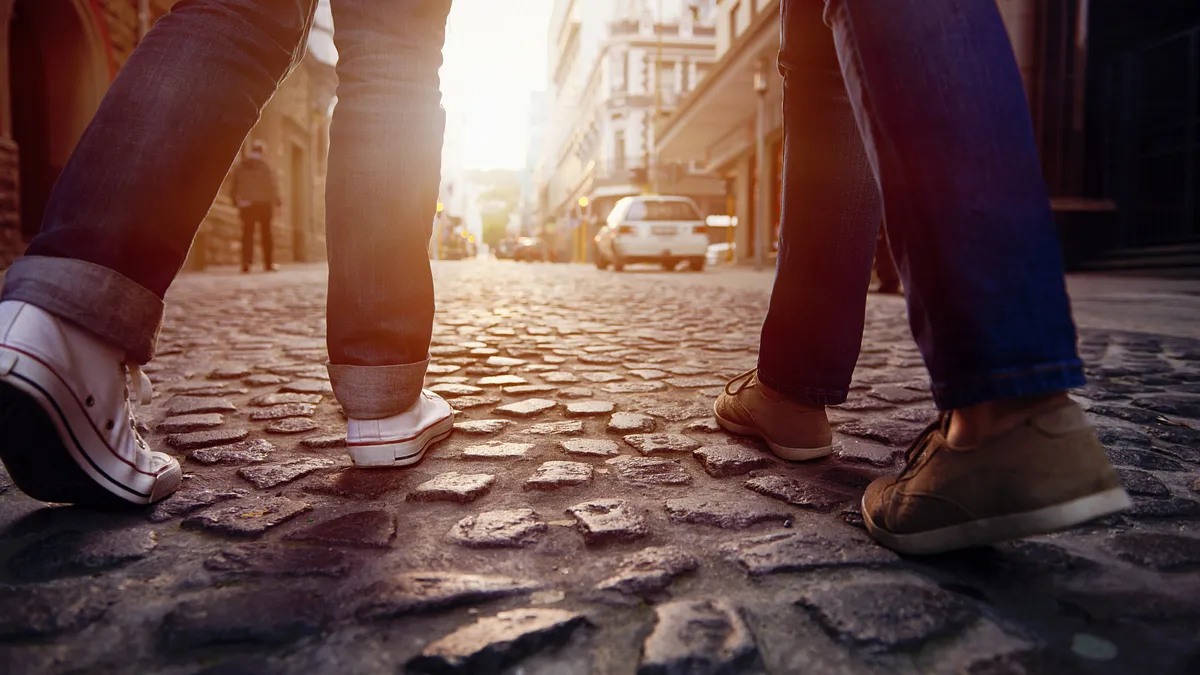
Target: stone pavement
588	516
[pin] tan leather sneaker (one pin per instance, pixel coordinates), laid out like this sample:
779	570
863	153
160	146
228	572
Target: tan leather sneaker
1047	474
792	431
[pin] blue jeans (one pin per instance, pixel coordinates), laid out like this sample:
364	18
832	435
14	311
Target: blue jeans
913	112
126	208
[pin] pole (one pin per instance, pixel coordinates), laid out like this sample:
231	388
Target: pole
143	12
657	99
762	208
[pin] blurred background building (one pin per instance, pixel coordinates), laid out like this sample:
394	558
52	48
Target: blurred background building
614	68
1114	88
57	58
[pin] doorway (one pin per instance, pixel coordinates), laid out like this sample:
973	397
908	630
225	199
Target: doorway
299	204
58	73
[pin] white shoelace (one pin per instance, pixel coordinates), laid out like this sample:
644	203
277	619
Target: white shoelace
141	389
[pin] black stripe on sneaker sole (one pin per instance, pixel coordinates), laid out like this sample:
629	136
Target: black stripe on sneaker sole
37	459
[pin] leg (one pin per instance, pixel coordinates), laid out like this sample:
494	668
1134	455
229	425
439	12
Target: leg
941	106
384	164
83	307
247	215
813	329
126	207
266	218
967	213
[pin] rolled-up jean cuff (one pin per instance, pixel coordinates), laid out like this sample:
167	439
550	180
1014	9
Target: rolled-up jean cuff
1016	383
804	395
375	392
106	303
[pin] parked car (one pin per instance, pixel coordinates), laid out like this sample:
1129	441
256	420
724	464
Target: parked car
529	249
653	229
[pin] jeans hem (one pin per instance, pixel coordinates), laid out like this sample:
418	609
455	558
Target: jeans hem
1015	383
812	396
376	392
105	302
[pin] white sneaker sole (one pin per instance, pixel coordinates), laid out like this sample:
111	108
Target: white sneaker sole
1003	528
36	448
400	453
781	451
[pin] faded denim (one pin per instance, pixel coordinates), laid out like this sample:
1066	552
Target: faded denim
127	206
914	112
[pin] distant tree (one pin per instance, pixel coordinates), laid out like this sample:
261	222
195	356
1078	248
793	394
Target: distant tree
496	206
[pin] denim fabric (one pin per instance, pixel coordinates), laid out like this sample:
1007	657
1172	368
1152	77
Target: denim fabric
150	164
914	110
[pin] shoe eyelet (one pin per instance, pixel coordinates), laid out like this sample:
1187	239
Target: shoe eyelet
109	425
91	401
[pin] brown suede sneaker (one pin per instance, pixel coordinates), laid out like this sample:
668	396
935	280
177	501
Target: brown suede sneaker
792	431
1047	474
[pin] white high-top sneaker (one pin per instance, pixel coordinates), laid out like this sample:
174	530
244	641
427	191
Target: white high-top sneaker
67	431
400	440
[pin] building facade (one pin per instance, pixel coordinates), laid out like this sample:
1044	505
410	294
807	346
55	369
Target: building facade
1108	84
57	58
616	67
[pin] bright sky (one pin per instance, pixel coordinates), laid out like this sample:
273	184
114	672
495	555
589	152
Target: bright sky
495	57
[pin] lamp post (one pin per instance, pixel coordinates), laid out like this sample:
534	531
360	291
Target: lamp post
762	203
581	230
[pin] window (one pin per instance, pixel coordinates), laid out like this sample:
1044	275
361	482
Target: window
668	83
662	211
619	150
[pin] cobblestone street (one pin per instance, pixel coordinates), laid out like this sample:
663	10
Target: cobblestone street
587	515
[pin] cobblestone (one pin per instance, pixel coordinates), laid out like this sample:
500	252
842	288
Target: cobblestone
528	408
721	461
661	444
606	520
453	487
512	528
366	557
557	474
292	425
183	423
247	518
497	641
650	570
649	471
270	475
730	515
283	411
627	422
419	592
796	493
205	439
591	447
243	452
590	408
699	636
497	450
367	529
888	616
76	553
31	613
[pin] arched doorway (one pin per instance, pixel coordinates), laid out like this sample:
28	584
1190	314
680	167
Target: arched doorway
58	72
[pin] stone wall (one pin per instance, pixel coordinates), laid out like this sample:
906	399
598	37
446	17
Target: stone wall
11	244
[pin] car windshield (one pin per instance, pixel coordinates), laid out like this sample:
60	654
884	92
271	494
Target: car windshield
656	210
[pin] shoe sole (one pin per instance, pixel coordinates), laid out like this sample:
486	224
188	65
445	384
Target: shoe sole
781	451
405	453
45	456
1003	528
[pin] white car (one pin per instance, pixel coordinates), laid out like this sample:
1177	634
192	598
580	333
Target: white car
663	230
